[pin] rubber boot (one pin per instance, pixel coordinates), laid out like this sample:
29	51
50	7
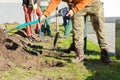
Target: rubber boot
105	56
71	48
79	55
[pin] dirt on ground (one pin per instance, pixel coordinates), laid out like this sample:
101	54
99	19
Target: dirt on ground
13	52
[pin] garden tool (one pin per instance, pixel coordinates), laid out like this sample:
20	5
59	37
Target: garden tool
34	11
30	23
57	32
41	34
63	13
60	13
55	39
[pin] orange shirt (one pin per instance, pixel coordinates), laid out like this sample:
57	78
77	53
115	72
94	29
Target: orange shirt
79	5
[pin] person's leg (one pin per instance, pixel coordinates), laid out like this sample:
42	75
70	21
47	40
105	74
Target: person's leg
98	21
78	32
72	46
27	12
64	24
78	24
48	27
43	28
99	28
68	28
39	13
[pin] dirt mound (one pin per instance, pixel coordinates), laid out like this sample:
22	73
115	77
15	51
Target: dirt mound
13	52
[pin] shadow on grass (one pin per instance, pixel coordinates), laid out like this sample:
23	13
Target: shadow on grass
66	55
21	33
60	54
32	49
92	52
11	45
36	50
99	70
65	58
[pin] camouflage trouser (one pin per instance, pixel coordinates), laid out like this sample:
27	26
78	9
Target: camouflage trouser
95	11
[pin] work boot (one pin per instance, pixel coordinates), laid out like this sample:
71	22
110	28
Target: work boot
79	56
105	56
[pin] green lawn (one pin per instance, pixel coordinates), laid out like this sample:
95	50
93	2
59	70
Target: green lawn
90	69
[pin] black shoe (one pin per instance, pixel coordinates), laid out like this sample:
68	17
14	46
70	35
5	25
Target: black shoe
37	31
105	57
31	38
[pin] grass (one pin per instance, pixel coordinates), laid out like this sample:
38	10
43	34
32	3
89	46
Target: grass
90	69
10	26
117	45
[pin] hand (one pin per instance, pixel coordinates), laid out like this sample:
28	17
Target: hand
42	18
70	13
35	6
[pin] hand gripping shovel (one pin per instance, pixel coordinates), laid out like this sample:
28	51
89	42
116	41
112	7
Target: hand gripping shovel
30	23
60	13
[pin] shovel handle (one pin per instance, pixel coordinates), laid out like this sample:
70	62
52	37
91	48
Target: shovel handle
30	23
23	25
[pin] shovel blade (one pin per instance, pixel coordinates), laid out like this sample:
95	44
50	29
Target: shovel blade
41	34
55	39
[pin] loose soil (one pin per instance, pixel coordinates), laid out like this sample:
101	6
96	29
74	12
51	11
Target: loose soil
13	52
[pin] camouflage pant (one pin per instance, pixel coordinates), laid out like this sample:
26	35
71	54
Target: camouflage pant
95	11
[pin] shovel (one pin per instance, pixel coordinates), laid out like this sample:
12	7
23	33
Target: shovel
55	39
63	13
41	34
60	13
29	23
57	32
